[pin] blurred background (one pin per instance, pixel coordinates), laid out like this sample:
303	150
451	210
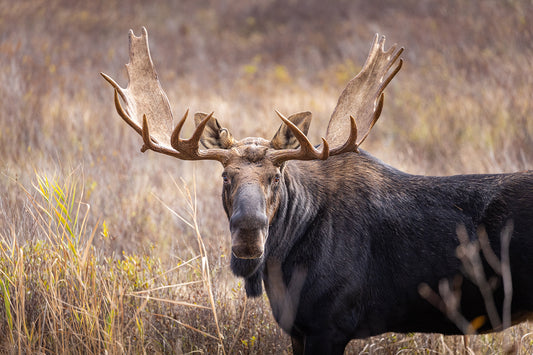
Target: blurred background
461	103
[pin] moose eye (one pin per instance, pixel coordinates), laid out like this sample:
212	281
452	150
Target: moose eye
276	179
225	179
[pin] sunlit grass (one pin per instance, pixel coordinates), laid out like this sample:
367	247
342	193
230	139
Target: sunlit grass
62	295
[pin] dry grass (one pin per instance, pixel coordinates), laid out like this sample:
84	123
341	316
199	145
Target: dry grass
91	259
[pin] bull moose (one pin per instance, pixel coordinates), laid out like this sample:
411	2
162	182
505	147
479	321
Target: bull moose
340	240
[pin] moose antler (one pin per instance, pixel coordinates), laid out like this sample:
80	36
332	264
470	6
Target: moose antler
363	96
147	109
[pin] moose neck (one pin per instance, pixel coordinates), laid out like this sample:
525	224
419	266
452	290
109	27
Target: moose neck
299	203
307	189
312	193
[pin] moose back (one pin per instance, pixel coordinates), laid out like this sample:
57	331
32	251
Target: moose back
345	245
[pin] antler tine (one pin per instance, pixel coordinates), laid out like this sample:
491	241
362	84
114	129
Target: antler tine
395	70
190	148
362	97
350	145
156	147
122	113
113	84
195	138
120	110
175	137
306	151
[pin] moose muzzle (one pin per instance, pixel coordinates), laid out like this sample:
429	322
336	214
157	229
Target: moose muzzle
249	222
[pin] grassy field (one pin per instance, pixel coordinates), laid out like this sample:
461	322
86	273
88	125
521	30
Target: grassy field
105	249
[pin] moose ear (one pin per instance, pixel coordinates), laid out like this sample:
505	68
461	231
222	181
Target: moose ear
284	139
214	136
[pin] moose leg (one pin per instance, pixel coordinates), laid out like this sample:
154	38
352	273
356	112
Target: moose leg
324	345
297	344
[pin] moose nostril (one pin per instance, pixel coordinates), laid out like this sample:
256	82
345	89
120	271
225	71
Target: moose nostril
248	220
247	251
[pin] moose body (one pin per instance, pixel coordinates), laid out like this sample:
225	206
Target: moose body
345	245
354	238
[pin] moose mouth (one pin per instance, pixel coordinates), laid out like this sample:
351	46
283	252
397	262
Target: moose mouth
248	243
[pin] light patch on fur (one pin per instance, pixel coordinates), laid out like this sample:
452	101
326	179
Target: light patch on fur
284	299
252	149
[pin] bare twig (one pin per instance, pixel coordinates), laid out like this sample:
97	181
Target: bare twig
236	335
448	299
506	272
204	261
469	254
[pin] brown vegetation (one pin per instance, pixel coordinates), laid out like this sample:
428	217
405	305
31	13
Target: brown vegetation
93	258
